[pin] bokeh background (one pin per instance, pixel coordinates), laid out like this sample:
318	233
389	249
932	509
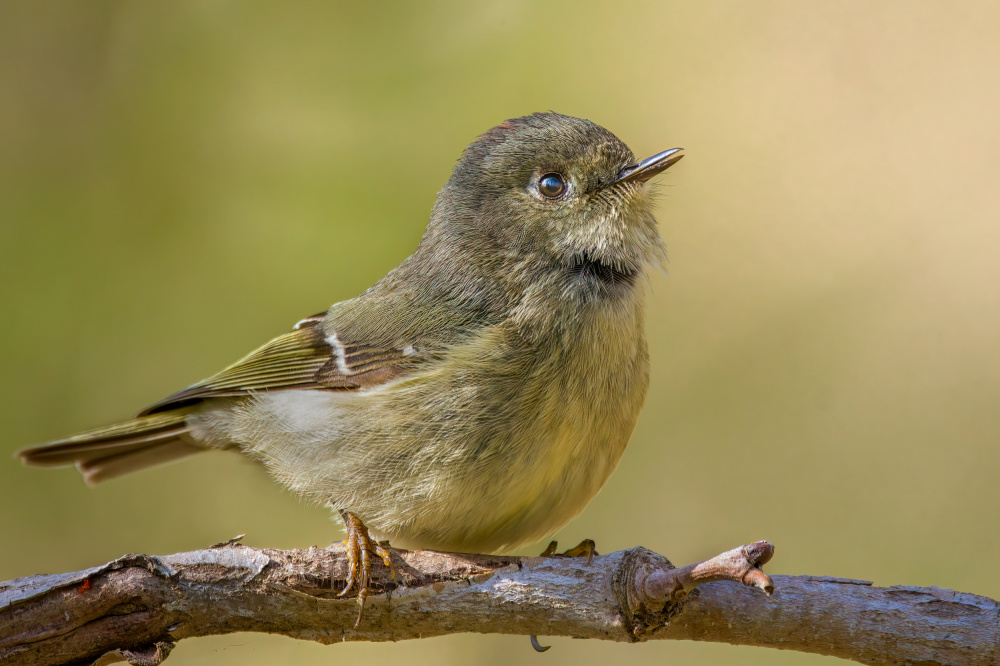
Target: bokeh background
181	181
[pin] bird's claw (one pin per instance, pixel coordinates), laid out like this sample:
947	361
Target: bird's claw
538	646
586	548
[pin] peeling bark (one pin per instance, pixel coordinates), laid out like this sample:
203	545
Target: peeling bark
137	607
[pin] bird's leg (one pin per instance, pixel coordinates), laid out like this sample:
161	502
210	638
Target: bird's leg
360	547
586	548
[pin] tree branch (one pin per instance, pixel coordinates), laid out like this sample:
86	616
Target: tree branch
136	607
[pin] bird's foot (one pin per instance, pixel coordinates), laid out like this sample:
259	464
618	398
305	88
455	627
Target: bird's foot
360	548
586	548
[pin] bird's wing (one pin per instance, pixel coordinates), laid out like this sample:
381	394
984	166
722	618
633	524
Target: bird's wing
308	357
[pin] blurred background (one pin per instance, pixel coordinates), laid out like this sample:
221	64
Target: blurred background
179	182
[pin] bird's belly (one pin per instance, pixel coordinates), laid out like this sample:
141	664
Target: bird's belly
546	495
528	482
502	511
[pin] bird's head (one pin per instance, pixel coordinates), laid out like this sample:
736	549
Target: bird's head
559	193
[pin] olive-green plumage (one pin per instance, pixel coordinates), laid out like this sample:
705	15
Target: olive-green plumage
478	396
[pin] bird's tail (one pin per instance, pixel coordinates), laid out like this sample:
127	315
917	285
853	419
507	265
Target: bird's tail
118	449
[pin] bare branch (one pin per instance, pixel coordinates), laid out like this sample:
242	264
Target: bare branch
137	607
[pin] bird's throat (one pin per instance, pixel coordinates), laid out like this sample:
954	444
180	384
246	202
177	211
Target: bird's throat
590	267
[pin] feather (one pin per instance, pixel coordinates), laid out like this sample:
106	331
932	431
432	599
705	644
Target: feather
304	358
106	452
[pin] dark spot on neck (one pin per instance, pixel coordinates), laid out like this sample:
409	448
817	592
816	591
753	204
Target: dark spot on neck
589	267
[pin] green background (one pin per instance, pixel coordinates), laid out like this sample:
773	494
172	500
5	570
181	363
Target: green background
181	181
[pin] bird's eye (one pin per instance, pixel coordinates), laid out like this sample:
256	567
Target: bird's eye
552	185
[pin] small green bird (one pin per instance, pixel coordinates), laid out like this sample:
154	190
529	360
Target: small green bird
480	394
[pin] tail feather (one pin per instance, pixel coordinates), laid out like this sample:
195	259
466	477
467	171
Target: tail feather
102	469
118	449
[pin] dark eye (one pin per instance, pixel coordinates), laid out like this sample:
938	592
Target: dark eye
551	185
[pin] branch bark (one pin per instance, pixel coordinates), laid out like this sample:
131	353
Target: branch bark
137	607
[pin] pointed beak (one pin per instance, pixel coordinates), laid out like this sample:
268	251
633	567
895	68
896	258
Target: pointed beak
649	167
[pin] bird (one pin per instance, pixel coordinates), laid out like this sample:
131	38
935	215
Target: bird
477	397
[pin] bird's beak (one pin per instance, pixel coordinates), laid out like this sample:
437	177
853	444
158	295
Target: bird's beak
649	167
